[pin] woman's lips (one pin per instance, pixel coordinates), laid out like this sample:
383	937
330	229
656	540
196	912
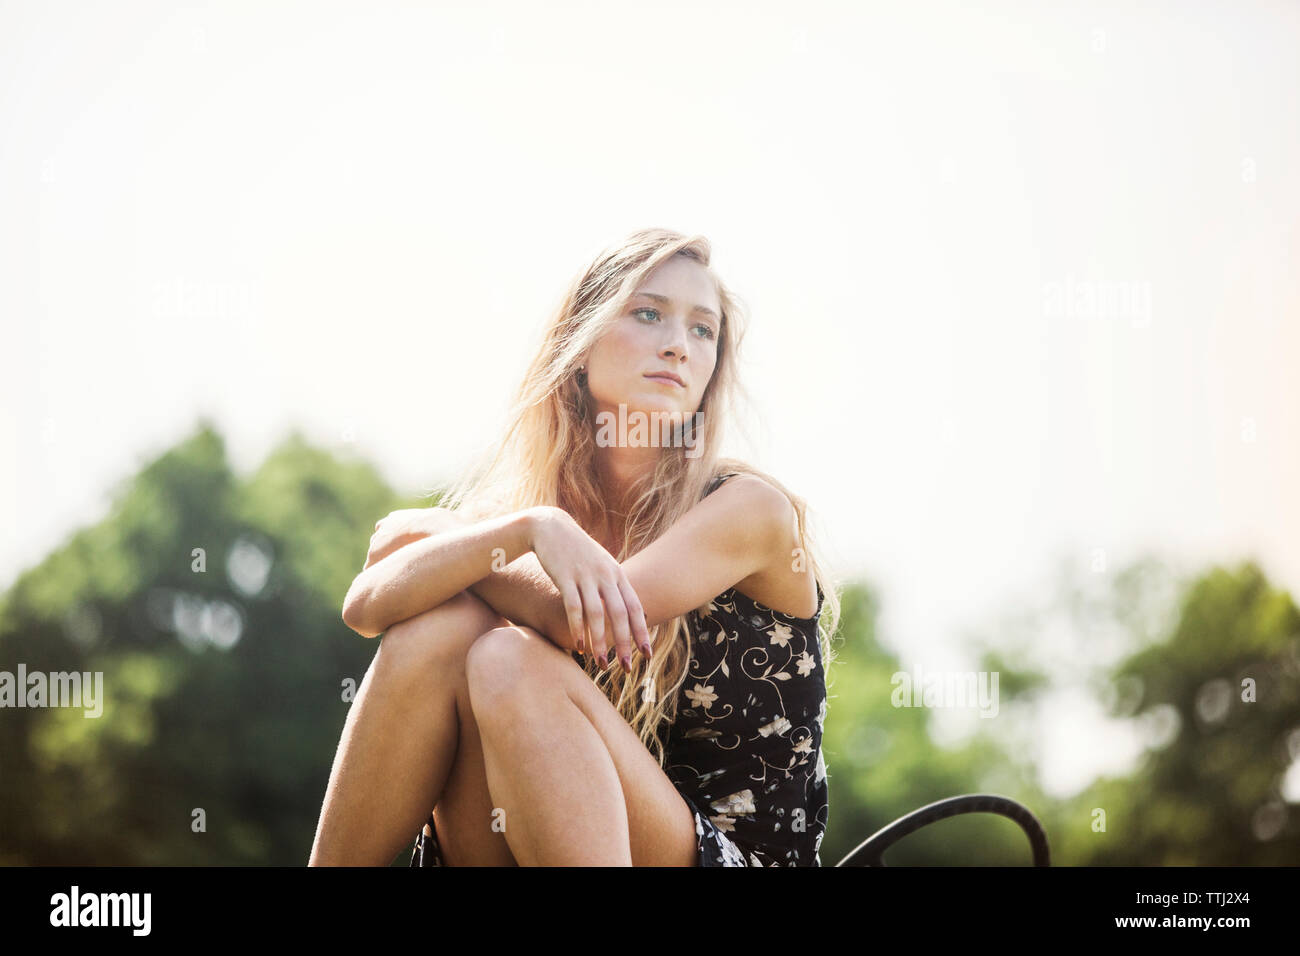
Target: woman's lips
666	380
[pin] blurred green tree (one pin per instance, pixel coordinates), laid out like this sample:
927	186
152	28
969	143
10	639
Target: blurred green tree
212	606
1202	672
1219	700
883	762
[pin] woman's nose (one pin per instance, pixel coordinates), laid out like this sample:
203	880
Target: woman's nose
674	345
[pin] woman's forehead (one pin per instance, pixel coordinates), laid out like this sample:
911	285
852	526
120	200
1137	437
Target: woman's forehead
682	281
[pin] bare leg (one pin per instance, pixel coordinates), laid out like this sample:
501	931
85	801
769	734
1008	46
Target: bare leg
406	741
464	814
560	783
577	786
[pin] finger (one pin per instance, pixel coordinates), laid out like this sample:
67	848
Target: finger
594	609
617	612
635	615
573	612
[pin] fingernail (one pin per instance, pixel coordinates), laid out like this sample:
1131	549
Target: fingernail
627	663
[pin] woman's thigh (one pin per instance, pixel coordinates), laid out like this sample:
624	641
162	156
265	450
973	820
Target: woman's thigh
660	823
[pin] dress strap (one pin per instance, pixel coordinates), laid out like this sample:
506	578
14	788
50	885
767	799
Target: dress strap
717	482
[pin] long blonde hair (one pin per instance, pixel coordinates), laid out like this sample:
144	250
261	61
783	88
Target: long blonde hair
547	456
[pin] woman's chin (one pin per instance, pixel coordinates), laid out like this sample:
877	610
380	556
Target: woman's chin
652	407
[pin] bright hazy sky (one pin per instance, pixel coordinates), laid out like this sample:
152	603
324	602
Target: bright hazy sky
1022	281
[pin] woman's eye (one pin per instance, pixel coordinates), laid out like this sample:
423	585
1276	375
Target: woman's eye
708	330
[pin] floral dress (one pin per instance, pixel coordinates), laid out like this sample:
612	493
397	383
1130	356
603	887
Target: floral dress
745	749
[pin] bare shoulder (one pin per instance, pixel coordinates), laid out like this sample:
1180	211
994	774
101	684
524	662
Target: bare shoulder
770	518
761	501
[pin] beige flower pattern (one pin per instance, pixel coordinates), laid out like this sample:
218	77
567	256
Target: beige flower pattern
745	749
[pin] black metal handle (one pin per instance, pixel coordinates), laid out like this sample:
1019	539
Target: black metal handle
870	852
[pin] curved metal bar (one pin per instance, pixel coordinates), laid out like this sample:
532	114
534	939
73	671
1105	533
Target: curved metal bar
870	851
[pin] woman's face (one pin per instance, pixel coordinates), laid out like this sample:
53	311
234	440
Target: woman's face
672	325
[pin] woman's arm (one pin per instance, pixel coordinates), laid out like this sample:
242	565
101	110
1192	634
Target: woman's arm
505	589
524	593
428	572
502	590
744	528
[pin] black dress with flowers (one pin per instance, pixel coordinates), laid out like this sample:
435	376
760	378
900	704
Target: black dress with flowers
745	749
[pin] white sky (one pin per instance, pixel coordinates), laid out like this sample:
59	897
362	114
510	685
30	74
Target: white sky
354	218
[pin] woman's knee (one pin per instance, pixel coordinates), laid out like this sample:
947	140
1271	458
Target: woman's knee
507	661
437	636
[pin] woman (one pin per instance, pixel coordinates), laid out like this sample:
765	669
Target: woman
590	534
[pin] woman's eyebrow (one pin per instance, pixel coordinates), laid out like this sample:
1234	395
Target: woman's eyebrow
665	300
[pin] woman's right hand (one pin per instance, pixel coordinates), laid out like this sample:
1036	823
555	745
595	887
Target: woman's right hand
591	583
